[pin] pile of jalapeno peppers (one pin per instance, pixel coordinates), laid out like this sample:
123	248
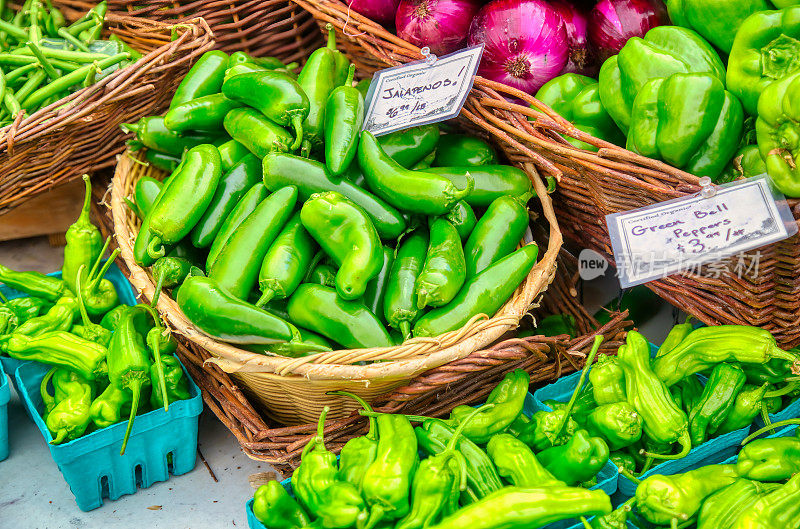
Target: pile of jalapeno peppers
290	231
109	361
42	59
475	473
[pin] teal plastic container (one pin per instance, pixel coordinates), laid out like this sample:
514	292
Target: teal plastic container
161	443
5	396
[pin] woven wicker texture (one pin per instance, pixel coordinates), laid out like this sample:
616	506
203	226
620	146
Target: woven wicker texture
594	184
81	133
273	28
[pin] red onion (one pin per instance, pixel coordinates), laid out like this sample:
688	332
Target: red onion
582	59
441	25
525	42
613	22
380	11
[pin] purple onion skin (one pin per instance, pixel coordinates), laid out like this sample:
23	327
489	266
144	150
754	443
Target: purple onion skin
380	11
582	57
613	22
525	43
441	25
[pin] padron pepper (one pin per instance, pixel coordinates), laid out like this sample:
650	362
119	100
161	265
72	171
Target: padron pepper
516	462
779	508
778	131
34	283
26	308
359	452
59	317
716	402
462	149
723	508
110	407
444	270
91	331
99	294
675	336
617	423
770	459
276	509
346	233
67	416
177	384
579	460
541	433
344	115
83	243
497	234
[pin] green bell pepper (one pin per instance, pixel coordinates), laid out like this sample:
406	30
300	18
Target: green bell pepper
746	163
778	132
717	21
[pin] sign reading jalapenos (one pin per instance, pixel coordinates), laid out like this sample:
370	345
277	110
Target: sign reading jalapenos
180	204
347	234
275	95
413	191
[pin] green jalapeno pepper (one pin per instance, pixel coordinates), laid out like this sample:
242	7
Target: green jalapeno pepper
204	113
375	293
317	79
483	294
67	414
259	134
180	204
203	79
231	152
346	233
145	194
413	191
232	186
344	114
400	302
349	323
83	243
463	218
408	146
161	160
154	134
237	266
444	271
276	95
276	509
497	234
243	68
246	205
491	182
286	262
322	274
517	463
461	149
313	177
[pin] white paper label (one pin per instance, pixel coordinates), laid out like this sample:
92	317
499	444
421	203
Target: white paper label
656	241
420	92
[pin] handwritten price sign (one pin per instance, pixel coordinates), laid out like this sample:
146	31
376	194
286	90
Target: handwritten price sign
421	92
659	240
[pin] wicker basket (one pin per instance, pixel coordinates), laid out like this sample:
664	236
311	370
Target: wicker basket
273	28
81	134
594	184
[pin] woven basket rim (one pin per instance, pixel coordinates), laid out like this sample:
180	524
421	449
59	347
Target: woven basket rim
403	361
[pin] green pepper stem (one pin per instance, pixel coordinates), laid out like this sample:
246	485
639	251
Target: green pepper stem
83	218
412	418
765	417
585	523
463	193
159	286
647	464
372	434
156	249
405	329
686	447
99	259
297	124
451	445
319	439
60	436
81	305
266	296
788	388
136	391
624	473
48	399
96	281
351	72
765	429
130	127
3	298
159	366
331	36
589	359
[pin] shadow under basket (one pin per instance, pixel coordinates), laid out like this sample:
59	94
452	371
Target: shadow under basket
592	185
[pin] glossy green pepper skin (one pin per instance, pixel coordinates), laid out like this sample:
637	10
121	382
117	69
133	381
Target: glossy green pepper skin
276	509
765	49
161	160
723	508
67	414
409	146
60	349
623	461
344	115
145	194
746	163
608	381
665	50
170	272
541	433
34	283
322	274
154	134
246	205
231	152
745	409
617	423
483	294
463	149
110	407
689	121
313	177
412	191
359	452
375	293
276	95
778	132
463	218
317	79
516	462
400	302
576	98
59	317
770	459
83	244
444	270
180	204
259	134
497	234
237	266
203	79
716	402
26	308
349	323
779	508
579	460
232	186
346	233
204	113
286	262
491	182
717	21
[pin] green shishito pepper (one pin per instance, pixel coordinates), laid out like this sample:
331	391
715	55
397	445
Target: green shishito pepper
246	205
58	348
778	132
687	120
545	429
576	98
716	402
346	233
722	509
349	323
497	234
275	95
203	79
400	302
312	177
259	134
169	272
344	115
444	270
180	205
33	283
766	48
276	509
110	407
664	50
770	459
205	113
483	294
715	20
579	460
83	243
516	462
608	381
335	504
67	414
617	423
462	149
26	308
420	192
664	422
745	409
528	507
176	383
359	452
491	182
59	317
91	331
237	266
779	508
409	146
317	80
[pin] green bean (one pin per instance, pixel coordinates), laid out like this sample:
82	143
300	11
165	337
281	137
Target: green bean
66	35
18	73
13	30
48	68
67	55
11	103
31	84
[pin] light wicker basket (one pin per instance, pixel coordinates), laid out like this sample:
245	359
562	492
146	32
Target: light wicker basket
594	184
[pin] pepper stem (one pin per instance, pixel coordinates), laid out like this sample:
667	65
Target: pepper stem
83	218
585	523
3	298
319	439
765	429
297	124
96	281
48	399
130	127
266	296
686	446
351	73
60	436
162	383
788	388
81	305
372	434
136	391
451	445
626	474
589	359
405	329
156	248
331	36
97	261
464	193
159	286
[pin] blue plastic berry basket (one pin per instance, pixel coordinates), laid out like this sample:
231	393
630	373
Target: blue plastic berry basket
161	443
5	396
121	283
